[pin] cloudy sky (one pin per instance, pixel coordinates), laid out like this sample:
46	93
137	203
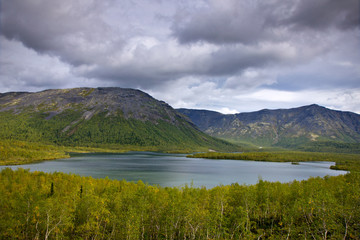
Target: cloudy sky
223	55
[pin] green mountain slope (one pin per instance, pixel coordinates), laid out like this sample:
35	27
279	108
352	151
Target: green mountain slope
99	117
304	127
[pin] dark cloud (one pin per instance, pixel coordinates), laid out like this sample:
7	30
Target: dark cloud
167	63
210	49
250	22
130	76
232	60
78	33
72	30
323	14
220	22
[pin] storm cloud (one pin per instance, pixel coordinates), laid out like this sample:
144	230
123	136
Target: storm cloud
222	55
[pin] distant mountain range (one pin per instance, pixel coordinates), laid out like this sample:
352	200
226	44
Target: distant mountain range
100	117
307	125
117	117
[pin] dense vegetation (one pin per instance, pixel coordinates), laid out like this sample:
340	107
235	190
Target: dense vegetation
60	206
20	152
343	161
327	146
101	131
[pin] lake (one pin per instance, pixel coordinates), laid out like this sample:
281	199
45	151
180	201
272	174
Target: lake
177	170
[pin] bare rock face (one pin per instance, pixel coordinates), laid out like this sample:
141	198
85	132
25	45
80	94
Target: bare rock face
129	103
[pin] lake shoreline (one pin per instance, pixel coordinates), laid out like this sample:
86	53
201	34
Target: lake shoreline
343	161
176	169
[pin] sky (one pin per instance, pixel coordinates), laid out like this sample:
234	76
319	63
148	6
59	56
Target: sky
223	55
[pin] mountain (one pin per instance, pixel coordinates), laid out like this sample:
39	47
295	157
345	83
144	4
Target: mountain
99	117
283	127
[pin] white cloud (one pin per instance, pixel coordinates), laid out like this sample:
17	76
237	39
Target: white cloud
197	94
226	110
24	69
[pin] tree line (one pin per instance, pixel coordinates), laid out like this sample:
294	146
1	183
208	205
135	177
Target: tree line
344	161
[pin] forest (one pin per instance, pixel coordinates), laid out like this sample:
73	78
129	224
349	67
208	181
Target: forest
60	206
70	129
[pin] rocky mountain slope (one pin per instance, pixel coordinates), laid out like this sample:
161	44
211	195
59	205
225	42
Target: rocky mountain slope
282	127
98	117
129	102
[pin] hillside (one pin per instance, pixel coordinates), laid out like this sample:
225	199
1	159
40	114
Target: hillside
298	127
99	117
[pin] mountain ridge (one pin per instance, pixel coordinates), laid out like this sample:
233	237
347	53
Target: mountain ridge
280	127
112	99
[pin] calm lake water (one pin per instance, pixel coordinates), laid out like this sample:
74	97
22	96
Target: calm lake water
177	170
